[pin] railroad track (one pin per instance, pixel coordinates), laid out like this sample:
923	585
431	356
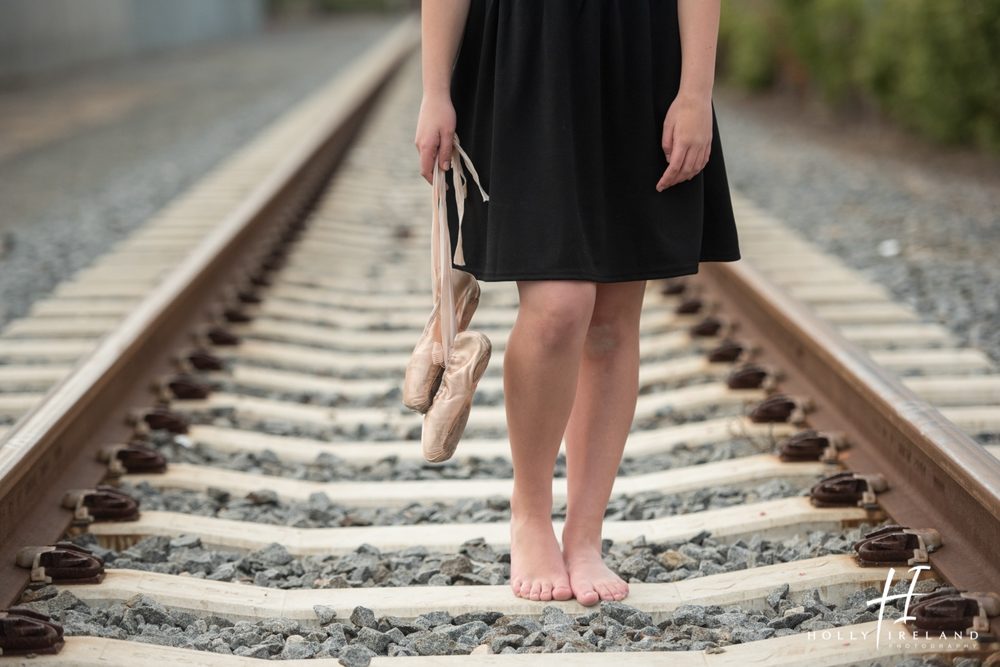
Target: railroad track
231	373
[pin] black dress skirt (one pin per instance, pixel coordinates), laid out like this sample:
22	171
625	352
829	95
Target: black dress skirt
560	106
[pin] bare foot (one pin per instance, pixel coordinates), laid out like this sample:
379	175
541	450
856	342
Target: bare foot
536	565
590	579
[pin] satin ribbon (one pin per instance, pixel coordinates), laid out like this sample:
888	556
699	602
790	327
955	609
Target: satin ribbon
441	251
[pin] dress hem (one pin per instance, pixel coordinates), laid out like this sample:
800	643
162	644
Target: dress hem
652	274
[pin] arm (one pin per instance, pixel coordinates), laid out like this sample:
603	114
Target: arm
687	129
441	25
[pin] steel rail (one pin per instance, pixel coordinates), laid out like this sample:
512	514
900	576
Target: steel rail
54	447
938	476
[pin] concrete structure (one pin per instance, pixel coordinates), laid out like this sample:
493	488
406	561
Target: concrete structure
37	36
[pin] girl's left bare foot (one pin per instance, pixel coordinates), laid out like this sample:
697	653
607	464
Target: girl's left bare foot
590	579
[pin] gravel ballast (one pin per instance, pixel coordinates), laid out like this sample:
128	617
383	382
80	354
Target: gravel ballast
264	506
920	219
476	563
328	467
69	198
609	626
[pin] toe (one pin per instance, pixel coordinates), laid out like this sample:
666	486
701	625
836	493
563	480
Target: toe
546	591
562	591
604	591
525	589
536	590
586	595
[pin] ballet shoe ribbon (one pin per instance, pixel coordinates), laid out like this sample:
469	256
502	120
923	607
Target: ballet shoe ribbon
441	251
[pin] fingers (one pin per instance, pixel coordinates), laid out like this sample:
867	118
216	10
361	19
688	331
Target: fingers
687	163
672	173
668	138
447	146
691	166
428	153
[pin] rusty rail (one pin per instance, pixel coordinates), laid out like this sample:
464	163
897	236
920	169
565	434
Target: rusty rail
54	447
939	477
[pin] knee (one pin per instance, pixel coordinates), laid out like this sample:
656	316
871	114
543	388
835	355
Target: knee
606	337
560	319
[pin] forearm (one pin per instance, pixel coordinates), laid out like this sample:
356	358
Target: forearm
699	27
441	25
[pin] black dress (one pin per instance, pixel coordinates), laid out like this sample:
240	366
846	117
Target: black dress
560	106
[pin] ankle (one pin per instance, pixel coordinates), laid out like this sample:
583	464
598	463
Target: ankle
581	539
533	511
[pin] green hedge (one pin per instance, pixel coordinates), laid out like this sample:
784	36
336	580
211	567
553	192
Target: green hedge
930	65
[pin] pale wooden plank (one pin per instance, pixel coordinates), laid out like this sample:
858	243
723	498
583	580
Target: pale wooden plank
836	577
13	405
936	361
639	443
847	646
981	390
772	519
32	375
732	472
691	398
53	350
974	419
656	339
272	379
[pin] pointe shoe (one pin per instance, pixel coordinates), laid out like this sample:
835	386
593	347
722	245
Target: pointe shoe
423	373
445	421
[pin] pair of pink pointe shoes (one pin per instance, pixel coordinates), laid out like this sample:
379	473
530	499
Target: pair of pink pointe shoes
444	395
448	360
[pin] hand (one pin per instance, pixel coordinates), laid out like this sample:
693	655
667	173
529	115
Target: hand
435	128
687	139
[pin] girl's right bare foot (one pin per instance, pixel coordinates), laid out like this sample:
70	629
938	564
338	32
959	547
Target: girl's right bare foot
537	571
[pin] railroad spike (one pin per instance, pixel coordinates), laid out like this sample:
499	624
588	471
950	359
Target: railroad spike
897	544
159	418
218	335
61	563
260	279
199	359
711	326
24	631
812	445
236	315
729	351
673	287
134	457
848	488
751	376
104	503
249	296
183	387
780	408
950	610
689	306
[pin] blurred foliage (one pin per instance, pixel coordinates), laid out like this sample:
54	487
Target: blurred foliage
927	64
282	8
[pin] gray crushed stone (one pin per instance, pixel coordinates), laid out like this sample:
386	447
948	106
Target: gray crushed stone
609	626
230	417
328	467
475	563
911	216
111	177
392	396
264	506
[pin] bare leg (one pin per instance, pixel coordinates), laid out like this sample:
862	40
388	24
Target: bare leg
598	427
540	369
